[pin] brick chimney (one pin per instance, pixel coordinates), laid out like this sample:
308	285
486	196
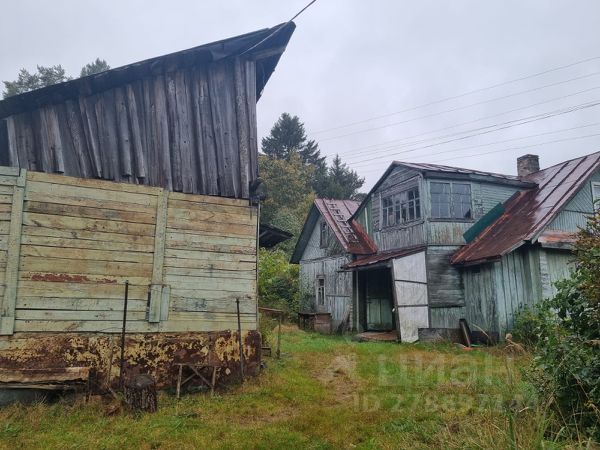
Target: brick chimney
527	164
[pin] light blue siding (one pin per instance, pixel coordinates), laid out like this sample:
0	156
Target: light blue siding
573	215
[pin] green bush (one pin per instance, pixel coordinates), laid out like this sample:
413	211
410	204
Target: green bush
565	335
278	285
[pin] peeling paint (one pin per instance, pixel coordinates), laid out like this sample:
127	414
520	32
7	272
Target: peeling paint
154	354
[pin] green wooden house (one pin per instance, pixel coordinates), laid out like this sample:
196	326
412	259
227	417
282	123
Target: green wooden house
451	243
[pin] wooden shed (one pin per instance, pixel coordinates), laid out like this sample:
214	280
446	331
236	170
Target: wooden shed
145	174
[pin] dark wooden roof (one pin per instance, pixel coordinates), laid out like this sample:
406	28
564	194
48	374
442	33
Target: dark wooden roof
269	235
527	212
264	45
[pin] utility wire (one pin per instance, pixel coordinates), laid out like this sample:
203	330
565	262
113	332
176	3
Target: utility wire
459	108
399	143
512	139
484	131
424	105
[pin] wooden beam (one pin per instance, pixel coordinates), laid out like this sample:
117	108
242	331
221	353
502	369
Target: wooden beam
159	257
13	252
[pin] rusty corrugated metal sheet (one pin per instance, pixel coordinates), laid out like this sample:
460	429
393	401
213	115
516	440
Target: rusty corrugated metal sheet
337	214
383	257
557	239
528	212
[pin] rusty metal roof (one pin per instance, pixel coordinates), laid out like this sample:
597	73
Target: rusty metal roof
527	212
338	214
382	257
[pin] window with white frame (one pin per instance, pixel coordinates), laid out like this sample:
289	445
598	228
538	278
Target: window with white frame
450	200
320	288
402	207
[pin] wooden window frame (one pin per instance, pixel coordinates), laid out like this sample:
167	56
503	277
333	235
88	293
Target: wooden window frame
320	290
452	201
399	208
595	199
323	234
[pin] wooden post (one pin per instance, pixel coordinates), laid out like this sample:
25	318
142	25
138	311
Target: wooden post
7	314
156	288
237	302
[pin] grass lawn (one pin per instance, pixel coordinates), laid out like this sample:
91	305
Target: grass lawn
325	392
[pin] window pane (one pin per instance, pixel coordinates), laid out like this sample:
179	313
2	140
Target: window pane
461	201
440	200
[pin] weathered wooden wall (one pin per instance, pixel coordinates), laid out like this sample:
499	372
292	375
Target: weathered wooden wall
72	243
573	215
190	130
326	262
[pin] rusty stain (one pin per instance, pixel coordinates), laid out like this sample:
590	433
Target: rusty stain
151	353
67	278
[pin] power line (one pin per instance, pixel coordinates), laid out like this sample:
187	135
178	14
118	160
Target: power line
372	148
424	105
459	108
513	139
509	124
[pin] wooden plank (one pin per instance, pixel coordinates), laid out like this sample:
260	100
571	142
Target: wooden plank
83	278
250	73
159	257
123	134
68	266
54	375
234	215
185	132
49	241
205	138
199	199
191	239
4	228
243	132
220	80
78	139
88	212
75	289
180	326
13	254
208	264
221	248
215	302
214	227
95	184
76	223
165	303
107	133
74	304
6	199
178	282
13	144
82	235
161	132
44	197
26	141
174	132
208	256
214	273
90	129
136	133
73	326
43	154
88	316
85	254
211	205
54	138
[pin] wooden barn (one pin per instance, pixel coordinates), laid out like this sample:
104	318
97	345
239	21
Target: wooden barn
141	174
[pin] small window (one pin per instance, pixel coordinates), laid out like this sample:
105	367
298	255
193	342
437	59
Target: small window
400	208
324	237
596	194
450	200
321	291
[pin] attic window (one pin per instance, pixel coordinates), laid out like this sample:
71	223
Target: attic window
324	235
320	286
596	194
402	207
450	200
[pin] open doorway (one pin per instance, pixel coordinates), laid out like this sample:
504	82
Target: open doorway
376	300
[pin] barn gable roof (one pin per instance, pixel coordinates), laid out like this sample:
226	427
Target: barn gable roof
527	212
264	45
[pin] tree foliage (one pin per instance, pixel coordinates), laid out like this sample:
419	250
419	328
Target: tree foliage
47	76
97	66
565	334
26	81
338	181
278	281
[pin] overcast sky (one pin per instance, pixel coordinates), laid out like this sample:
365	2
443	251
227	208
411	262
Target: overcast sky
350	61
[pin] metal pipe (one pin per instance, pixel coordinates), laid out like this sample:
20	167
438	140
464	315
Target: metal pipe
122	366
237	302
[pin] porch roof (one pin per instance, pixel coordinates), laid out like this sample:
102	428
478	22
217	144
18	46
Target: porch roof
382	257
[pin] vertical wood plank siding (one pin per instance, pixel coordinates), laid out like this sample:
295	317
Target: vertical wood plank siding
77	241
190	130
